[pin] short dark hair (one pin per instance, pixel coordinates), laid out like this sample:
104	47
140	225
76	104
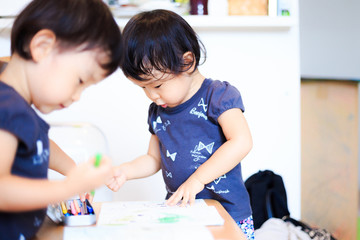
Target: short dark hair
157	40
74	22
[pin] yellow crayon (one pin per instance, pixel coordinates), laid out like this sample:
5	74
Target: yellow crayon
63	208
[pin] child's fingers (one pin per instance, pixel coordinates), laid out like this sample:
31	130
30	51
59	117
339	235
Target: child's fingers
110	181
105	167
105	161
114	186
90	197
192	200
91	177
175	198
185	200
82	196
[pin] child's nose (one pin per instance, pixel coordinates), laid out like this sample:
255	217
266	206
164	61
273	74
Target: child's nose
153	95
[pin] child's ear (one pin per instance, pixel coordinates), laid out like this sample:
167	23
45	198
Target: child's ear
42	44
188	57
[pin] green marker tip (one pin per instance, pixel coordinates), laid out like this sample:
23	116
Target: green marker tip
97	159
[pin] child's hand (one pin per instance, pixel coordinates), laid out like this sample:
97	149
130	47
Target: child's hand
86	177
187	192
117	180
87	196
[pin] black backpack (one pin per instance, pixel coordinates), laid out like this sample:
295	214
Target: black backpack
267	196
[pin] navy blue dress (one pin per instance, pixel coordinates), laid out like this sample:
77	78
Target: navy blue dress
31	159
189	134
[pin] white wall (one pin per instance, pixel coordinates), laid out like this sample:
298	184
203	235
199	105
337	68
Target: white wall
13	8
329	39
264	65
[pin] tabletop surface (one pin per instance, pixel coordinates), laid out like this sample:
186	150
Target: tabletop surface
230	230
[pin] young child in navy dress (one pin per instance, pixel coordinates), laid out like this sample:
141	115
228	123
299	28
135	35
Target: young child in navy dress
58	48
199	132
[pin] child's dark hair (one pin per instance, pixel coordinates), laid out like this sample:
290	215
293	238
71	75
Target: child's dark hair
157	40
74	22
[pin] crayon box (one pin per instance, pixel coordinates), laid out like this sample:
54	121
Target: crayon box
72	213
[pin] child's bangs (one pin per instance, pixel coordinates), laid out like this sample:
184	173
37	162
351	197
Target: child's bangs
143	61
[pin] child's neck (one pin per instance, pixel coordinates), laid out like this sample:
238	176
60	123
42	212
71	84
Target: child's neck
197	81
14	76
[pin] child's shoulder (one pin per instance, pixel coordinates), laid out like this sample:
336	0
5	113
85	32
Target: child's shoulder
9	99
18	117
13	107
219	86
222	96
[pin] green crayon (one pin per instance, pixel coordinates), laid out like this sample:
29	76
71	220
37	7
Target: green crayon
96	164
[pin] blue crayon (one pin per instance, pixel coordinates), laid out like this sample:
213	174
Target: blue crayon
89	208
81	207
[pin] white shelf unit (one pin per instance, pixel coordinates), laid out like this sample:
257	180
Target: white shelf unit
213	22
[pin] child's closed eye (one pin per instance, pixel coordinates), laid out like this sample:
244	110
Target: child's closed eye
158	86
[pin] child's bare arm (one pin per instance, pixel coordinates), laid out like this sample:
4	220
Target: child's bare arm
21	194
225	158
142	166
59	160
145	165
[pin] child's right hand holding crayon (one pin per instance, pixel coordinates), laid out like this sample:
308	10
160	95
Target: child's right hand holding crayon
86	176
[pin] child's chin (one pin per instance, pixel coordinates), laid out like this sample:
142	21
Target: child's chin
47	110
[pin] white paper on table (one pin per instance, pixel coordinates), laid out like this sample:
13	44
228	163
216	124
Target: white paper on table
134	232
157	213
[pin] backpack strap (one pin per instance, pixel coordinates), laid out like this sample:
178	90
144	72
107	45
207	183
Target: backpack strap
276	205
